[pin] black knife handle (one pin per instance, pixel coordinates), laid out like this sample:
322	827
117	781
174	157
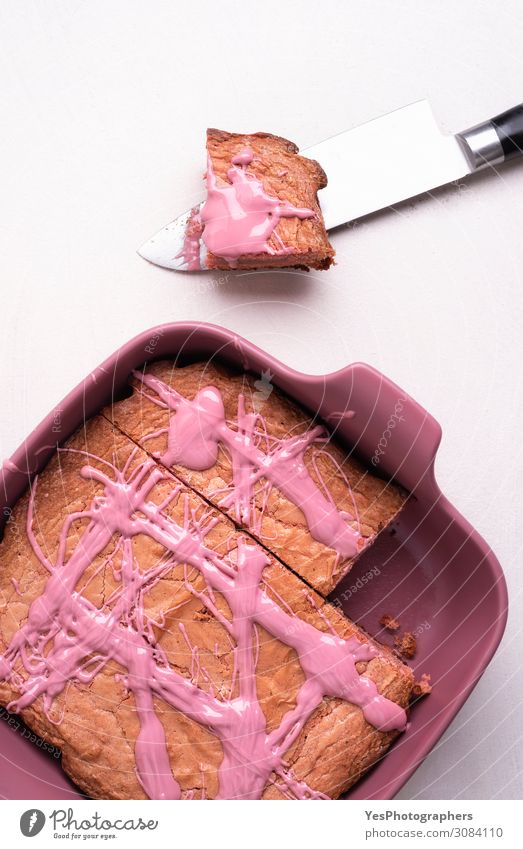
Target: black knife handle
509	127
494	141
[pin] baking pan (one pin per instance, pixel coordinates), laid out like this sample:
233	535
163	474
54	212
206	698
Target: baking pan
431	569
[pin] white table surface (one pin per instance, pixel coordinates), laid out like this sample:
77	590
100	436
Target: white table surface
104	108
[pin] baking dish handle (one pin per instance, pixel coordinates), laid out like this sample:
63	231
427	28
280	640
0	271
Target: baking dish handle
390	431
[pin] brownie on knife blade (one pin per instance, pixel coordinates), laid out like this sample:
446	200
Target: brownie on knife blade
262	207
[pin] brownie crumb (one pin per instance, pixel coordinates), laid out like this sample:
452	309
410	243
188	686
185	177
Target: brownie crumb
422	687
202	615
389	622
406	645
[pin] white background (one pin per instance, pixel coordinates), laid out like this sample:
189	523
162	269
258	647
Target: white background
104	107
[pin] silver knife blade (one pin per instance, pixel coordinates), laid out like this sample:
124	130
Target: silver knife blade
370	167
386	161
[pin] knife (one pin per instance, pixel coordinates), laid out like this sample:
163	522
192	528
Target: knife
378	164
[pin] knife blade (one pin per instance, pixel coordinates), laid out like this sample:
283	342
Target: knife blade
376	165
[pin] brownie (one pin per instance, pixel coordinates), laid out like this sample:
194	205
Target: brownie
406	645
363	504
120	646
276	172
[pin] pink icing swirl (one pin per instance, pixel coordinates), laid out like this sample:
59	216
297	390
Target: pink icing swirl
199	427
239	217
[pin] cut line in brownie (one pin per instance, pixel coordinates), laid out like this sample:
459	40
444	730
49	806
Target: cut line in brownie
255	454
168	656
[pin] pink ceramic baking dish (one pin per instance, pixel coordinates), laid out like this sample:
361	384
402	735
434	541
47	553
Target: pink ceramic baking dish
432	570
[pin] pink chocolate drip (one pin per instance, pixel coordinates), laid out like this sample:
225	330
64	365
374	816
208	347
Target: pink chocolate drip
190	251
197	430
239	217
65	638
16	585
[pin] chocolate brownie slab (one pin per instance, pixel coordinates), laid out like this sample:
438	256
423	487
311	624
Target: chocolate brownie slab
166	654
262	207
255	454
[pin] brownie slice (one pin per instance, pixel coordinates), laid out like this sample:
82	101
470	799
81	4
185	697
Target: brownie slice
258	183
361	503
144	599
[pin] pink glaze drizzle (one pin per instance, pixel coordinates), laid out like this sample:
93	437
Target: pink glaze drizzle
194	436
16	585
65	638
190	252
239	217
